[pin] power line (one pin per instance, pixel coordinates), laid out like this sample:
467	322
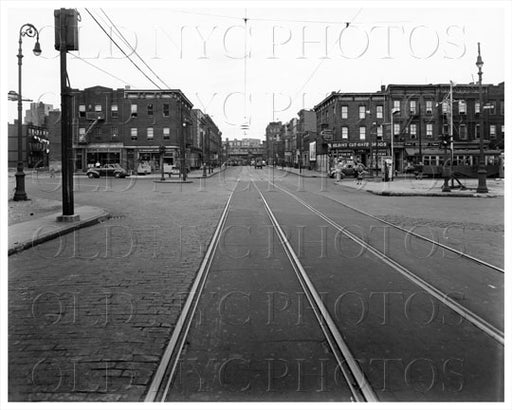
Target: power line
117	45
133	49
100	69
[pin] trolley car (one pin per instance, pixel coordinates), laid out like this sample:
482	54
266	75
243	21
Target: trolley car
465	163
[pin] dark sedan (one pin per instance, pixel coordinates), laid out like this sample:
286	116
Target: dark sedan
114	170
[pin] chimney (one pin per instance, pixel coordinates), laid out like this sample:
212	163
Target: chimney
382	88
127	87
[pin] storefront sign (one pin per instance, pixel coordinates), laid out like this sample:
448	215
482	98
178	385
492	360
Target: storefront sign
359	144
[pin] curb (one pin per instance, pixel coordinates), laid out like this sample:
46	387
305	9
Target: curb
70	227
432	194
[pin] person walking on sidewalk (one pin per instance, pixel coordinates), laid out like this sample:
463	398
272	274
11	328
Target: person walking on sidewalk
338	171
360	174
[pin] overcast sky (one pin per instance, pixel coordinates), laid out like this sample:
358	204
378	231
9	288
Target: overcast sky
296	55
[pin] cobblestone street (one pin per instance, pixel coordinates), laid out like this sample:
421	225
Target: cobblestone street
89	314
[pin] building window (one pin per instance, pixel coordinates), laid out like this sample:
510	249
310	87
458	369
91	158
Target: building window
344	133
362	133
428	106
502	130
133	110
380	132
413	131
502	107
97	108
113	111
166	110
133	133
396	105
81	110
81	132
362	111
429	130
166	133
492	131
463	132
380	111
477	131
462	107
445	107
98	133
150	109
344	111
150	133
115	132
477	107
396	129
412	107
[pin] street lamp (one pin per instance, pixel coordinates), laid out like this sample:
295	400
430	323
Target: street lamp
393	112
30	31
482	172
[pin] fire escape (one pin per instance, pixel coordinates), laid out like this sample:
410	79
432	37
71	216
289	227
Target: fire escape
95	118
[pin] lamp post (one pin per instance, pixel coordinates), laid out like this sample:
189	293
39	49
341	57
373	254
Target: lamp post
161	149
30	31
393	112
482	172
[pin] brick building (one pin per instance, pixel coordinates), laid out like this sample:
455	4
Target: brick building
35	144
358	125
128	126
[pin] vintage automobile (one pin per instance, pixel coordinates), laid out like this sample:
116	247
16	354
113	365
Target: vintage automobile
144	168
114	170
171	170
258	164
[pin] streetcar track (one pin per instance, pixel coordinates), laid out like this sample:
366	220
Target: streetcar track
410	232
444	298
355	377
164	375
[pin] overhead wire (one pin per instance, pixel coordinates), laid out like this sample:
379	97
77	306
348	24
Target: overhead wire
98	68
120	49
133	49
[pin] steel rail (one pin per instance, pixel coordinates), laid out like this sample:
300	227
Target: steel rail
164	374
444	298
355	377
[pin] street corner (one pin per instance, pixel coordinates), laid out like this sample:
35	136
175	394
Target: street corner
24	235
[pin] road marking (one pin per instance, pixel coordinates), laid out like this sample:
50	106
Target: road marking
169	361
356	379
471	317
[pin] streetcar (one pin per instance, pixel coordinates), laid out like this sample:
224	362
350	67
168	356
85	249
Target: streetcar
465	163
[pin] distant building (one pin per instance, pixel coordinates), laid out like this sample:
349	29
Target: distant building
35	143
38	114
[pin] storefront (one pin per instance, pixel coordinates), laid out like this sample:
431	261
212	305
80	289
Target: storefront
92	154
369	153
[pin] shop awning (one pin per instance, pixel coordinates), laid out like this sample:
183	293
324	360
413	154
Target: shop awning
411	152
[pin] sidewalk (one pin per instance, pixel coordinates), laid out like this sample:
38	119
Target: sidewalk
408	185
35	221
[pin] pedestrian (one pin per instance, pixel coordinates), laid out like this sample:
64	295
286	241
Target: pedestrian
52	173
360	174
338	171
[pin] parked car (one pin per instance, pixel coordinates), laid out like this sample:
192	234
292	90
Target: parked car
347	169
258	164
171	170
114	170
144	168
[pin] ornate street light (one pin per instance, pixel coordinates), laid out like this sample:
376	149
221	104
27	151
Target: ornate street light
482	172
30	31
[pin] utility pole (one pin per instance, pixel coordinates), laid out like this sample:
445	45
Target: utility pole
66	38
